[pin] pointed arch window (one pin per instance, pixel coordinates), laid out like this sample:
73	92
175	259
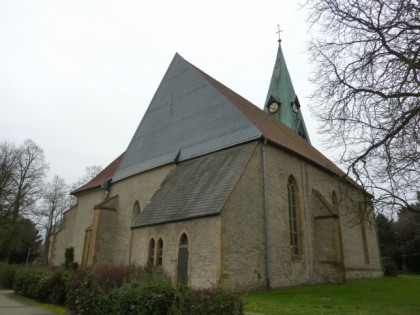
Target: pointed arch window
183	255
293	216
151	258
159	252
136	211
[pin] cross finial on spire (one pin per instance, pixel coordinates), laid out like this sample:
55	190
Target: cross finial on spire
278	32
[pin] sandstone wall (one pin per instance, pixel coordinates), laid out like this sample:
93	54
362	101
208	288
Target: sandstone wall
115	233
75	223
316	188
361	249
86	202
204	248
231	248
331	247
287	269
63	238
243	241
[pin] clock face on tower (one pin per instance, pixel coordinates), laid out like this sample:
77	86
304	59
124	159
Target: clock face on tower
295	107
273	107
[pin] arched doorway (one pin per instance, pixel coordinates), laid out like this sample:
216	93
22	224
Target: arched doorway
183	253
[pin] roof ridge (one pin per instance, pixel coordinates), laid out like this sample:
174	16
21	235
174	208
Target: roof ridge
186	118
272	129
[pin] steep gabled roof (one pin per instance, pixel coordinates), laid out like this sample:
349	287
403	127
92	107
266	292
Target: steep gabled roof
274	131
186	118
192	114
198	187
103	176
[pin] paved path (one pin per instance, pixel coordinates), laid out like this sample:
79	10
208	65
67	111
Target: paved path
10	305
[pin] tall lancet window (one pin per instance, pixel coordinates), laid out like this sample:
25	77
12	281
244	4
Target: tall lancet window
151	258
293	216
159	253
136	211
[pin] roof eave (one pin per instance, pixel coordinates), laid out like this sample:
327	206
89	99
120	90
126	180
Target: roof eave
138	226
343	176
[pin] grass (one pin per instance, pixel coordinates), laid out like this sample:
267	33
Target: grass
385	296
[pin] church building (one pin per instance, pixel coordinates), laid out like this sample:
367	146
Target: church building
217	191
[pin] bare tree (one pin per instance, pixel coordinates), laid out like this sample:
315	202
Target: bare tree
8	164
55	200
90	173
367	76
22	173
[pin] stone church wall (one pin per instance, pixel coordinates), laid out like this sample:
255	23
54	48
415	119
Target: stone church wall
203	244
311	267
76	221
231	248
330	248
86	202
101	244
63	237
325	218
139	188
287	269
361	250
243	254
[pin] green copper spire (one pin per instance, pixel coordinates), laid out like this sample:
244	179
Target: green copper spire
282	102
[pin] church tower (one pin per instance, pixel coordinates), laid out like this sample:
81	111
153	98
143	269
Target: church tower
282	102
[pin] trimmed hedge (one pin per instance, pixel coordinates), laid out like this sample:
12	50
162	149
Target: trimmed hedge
147	299
122	289
42	284
390	267
32	282
58	282
7	274
119	289
212	301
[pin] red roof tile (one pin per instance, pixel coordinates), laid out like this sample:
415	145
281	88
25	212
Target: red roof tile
103	176
275	131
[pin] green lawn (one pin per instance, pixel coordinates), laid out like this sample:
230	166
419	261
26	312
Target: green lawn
389	295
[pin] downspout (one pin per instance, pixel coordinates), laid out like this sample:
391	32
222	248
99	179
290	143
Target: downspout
265	209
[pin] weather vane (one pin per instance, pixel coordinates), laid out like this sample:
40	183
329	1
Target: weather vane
279	31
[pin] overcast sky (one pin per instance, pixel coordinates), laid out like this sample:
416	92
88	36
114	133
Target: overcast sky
77	76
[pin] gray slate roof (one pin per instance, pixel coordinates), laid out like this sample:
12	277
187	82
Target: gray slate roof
190	116
187	117
197	188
